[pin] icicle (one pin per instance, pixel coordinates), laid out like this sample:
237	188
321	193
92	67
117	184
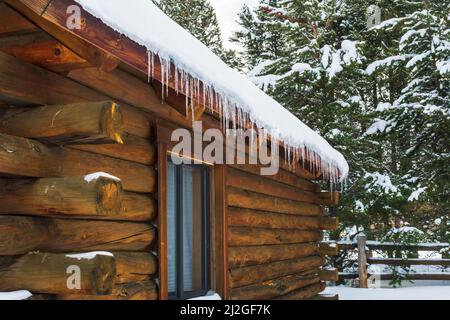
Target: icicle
162	76
168	77
153	65
149	66
192	97
186	92
204	97
198	91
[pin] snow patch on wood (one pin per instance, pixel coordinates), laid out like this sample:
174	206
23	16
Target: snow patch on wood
15	295
89	255
94	176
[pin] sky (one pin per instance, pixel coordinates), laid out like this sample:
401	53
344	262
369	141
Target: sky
227	11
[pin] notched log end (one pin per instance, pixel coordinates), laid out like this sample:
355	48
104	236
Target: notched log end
103	275
112	124
109	196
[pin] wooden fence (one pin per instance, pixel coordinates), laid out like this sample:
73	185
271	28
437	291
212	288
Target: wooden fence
364	252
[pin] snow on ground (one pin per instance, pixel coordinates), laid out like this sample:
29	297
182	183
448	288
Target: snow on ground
143	22
208	296
15	295
412	293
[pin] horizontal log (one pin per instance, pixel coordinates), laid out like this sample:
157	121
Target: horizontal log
239	217
137	122
328	223
328	198
61	196
135	266
30	158
273	288
139	290
137	207
94	122
260	184
247	236
33	86
251	200
40	49
240	277
304	293
134	149
102	236
76	198
409	262
13	23
329	275
284	176
326	249
49	274
252	255
19	235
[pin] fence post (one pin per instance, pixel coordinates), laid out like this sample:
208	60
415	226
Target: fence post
362	260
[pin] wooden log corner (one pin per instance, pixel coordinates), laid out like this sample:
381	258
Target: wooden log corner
75	196
88	122
328	249
328	198
329	275
328	223
47	273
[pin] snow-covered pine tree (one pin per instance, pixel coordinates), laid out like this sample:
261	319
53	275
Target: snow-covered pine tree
262	36
317	72
412	72
200	19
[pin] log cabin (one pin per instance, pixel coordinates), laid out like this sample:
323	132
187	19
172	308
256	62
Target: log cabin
91	93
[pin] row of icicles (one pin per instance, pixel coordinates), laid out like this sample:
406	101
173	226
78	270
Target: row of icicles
231	114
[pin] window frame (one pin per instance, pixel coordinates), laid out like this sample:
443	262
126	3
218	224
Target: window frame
206	189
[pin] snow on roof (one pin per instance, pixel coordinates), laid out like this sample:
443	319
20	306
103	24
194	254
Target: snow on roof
143	22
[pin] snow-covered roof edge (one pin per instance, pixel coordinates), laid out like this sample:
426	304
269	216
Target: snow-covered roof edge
143	22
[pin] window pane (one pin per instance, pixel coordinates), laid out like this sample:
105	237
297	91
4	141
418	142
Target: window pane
172	227
192	229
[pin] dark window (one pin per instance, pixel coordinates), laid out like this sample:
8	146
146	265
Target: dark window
188	230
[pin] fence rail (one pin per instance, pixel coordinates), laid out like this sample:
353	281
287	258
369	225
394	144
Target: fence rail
364	249
375	245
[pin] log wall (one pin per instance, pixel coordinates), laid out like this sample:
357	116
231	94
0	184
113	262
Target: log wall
54	132
274	234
